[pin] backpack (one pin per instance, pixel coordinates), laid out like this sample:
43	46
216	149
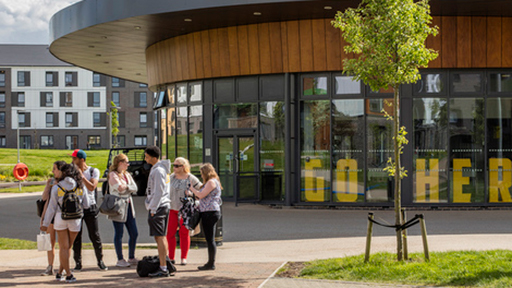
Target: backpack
71	207
150	264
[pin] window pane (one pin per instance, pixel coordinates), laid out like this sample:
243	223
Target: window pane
96	99
49	119
69	99
467	83
429	84
181	131
196	136
21	99
171	133
115	98
195	92
272	150
181	91
230	116
379	132
467	136
430	140
346	85
143	120
49	99
2	119
143	102
501	82
21	78
499	141
314	86
348	156
315	149
2	99
96	80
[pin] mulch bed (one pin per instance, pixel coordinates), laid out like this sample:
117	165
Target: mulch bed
292	270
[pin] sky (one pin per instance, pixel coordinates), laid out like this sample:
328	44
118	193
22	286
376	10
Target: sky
26	21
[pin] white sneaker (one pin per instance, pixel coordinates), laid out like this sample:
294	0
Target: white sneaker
133	261
122	263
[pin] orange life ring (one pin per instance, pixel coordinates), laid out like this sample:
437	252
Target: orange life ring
20	171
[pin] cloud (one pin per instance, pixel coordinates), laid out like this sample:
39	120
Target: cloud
26	21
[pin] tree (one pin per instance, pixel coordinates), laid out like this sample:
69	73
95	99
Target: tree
114	122
388	38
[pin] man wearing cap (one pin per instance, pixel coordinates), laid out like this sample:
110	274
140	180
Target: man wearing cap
90	178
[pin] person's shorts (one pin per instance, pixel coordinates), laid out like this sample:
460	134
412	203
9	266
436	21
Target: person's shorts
158	222
73	225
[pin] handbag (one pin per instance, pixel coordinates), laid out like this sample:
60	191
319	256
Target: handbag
112	205
44	242
40	206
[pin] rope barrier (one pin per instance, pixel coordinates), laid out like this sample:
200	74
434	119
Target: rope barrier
415	220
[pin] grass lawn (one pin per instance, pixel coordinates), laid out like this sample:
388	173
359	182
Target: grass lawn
17	244
39	161
491	269
24	189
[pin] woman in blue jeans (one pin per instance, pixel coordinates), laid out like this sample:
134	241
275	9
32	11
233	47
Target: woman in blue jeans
209	208
121	184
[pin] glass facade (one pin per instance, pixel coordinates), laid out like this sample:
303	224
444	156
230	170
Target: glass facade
332	134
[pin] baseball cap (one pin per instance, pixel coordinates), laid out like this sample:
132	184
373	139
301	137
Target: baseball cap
79	153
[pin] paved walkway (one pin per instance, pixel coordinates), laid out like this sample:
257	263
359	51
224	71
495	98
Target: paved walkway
258	241
240	264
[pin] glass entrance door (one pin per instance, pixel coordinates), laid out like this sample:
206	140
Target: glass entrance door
238	169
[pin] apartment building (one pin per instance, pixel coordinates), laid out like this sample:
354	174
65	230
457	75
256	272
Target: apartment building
55	105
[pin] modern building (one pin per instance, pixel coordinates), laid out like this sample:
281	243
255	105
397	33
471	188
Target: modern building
256	87
60	106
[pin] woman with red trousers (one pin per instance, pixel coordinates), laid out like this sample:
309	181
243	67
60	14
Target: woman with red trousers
181	179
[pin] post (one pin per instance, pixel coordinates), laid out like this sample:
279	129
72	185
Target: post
404	235
18	142
424	237
110	128
368	238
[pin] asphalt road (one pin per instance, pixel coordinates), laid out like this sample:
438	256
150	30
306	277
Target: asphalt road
249	222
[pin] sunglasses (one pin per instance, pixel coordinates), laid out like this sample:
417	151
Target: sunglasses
177	165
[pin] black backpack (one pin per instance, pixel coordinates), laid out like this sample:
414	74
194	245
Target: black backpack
150	264
71	207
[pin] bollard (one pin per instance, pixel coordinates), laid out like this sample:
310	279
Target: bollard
368	238
404	235
424	237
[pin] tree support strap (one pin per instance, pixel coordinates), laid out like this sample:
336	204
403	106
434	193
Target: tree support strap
415	220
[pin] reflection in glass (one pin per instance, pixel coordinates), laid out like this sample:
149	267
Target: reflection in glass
315	149
195	130
230	116
501	82
272	150
379	132
429	84
181	131
348	156
195	92
171	90
314	86
430	162
181	93
346	85
467	136
467	83
171	133
499	141
248	179
226	165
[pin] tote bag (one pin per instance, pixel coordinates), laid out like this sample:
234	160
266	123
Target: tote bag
44	242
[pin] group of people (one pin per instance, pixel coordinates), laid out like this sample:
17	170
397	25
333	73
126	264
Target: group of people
164	191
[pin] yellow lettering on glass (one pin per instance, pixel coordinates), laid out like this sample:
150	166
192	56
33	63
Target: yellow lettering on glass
499	187
422	179
459	180
313	193
346	188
